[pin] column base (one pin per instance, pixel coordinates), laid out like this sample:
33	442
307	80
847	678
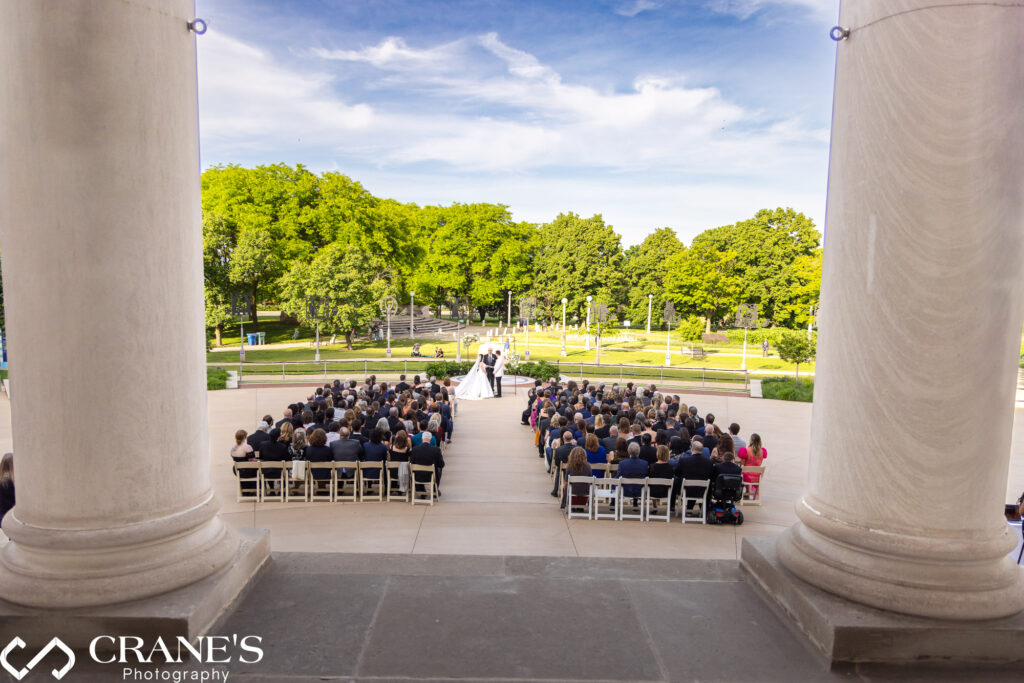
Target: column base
188	612
845	632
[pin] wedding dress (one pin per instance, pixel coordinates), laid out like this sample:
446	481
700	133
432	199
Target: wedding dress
474	385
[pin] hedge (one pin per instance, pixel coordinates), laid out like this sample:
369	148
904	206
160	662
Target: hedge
447	368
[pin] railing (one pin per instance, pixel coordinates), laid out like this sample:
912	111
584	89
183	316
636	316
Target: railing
717	378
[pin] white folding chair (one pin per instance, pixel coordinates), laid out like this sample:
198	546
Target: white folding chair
662	503
429	492
625	501
394	490
702	499
374	482
247	475
272	487
585	507
752	489
604	496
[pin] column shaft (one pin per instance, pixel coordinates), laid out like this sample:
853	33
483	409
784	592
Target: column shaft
100	226
922	305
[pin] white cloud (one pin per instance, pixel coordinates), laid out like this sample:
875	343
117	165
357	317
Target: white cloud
631	9
746	8
490	122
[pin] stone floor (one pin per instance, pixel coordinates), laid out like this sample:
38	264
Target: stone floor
367	617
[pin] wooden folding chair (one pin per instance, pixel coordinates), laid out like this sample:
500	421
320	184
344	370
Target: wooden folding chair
371	480
752	489
296	488
429	492
272	488
393	490
247	475
322	489
346	478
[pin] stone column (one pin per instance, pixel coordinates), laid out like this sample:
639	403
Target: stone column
102	269
921	314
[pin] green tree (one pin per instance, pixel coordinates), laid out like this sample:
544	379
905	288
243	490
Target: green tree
704	281
794	347
218	245
351	283
256	266
645	269
771	250
577	257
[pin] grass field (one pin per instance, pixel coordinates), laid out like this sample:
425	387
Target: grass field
786	389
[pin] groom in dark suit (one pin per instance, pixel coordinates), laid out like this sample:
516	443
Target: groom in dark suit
489	361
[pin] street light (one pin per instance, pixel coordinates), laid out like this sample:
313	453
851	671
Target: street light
670	317
412	314
746	317
650	302
564	302
602	317
527	307
240	304
508	322
318	307
589	299
810	321
389	306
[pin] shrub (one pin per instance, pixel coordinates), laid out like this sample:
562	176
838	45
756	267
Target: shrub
714	338
756	335
216	378
786	389
447	368
794	347
541	370
690	329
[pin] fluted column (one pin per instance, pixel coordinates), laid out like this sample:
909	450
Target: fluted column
101	238
922	305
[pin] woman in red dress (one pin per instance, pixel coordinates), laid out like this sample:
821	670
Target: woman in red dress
752	455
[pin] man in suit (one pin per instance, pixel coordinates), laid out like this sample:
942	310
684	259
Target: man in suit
499	372
346	449
609	441
633	468
561	456
261	434
426	453
489	362
727	466
693	465
402	384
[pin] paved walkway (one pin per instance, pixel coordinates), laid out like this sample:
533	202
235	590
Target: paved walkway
496	492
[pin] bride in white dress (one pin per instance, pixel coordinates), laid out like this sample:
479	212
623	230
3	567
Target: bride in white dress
474	386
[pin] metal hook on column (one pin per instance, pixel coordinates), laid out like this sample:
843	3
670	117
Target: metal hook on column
198	26
839	33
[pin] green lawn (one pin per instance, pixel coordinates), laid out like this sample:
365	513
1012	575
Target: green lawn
786	389
269	323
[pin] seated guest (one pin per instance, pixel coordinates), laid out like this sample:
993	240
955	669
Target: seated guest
6	484
661	469
427	454
241	451
346	449
632	468
737	442
261	434
727	466
332	432
560	455
287	418
609	442
576	467
375	451
621	451
711	436
277	451
319	451
752	456
648	451
399	451
595	451
601	429
695	465
297	450
676	447
724	446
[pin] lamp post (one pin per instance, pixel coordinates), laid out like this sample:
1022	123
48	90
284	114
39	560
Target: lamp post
746	317
564	302
412	314
239	306
589	299
602	317
670	317
527	307
508	322
388	306
650	303
810	321
313	308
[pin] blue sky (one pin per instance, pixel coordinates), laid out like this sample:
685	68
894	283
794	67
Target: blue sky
681	113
